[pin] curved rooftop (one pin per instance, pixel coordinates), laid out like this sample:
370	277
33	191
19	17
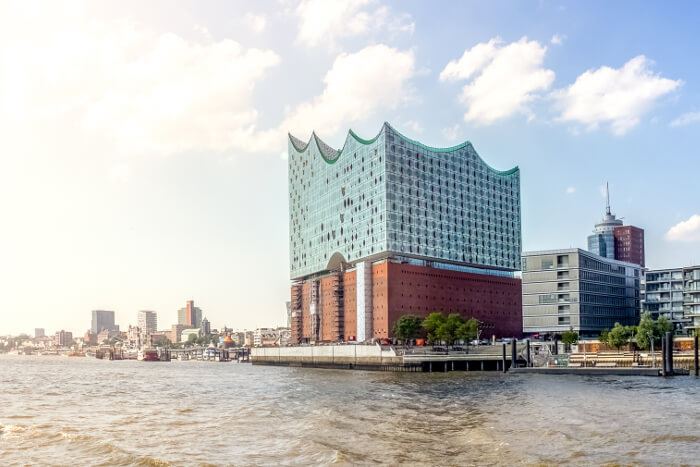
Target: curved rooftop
331	155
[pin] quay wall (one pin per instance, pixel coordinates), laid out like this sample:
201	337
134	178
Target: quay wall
326	355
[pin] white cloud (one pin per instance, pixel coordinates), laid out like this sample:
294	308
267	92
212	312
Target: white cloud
558	39
686	119
570	190
618	96
131	90
414	125
255	22
357	84
502	79
685	231
324	22
451	133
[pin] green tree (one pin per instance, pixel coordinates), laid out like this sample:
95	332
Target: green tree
407	327
663	325
192	339
603	337
569	338
646	331
448	330
468	330
619	336
432	324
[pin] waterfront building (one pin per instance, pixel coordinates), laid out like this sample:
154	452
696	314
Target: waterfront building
190	315
102	320
248	338
289	314
613	240
663	296
90	338
63	338
578	289
147	321
39	332
691	297
390	226
264	337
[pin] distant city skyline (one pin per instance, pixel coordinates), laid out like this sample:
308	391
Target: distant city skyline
143	156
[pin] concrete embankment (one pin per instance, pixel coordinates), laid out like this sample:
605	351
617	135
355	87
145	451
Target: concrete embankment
591	371
359	357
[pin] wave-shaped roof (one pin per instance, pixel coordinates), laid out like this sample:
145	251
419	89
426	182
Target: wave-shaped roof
331	155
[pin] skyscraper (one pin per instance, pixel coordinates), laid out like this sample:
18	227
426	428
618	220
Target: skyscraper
612	240
147	321
190	315
390	226
102	320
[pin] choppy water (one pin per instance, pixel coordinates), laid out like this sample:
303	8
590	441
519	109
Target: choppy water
78	411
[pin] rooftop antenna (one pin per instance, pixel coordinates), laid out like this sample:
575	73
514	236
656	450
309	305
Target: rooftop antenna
607	196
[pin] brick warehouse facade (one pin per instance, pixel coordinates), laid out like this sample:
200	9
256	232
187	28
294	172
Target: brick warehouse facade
389	226
399	289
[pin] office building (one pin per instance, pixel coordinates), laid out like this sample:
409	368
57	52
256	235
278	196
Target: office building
578	289
691	297
147	321
63	338
205	327
190	315
663	296
102	320
613	240
389	226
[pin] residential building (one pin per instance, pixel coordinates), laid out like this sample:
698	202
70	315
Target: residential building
190	315
284	336
248	338
102	320
578	289
663	296
107	335
390	226
613	240
691	297
147	321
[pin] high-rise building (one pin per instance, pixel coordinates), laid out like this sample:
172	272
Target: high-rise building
147	321
612	240
205	327
663	296
63	338
190	315
390	226
103	320
578	289
39	332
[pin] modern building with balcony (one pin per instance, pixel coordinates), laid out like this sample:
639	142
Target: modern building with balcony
663	296
389	226
691	297
574	288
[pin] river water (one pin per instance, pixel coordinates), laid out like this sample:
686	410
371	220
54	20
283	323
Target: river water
80	411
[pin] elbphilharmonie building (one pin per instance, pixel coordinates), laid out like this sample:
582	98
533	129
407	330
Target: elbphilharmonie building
388	226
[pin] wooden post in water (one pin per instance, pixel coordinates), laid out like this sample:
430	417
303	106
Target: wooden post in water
514	353
696	354
669	350
504	358
663	355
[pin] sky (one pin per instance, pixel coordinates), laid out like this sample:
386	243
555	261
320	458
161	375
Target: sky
143	144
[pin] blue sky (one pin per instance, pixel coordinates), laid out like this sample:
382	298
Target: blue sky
142	144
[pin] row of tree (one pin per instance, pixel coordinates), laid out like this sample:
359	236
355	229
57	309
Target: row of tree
646	332
436	327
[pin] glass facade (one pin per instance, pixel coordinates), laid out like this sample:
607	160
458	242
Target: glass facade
602	244
394	196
